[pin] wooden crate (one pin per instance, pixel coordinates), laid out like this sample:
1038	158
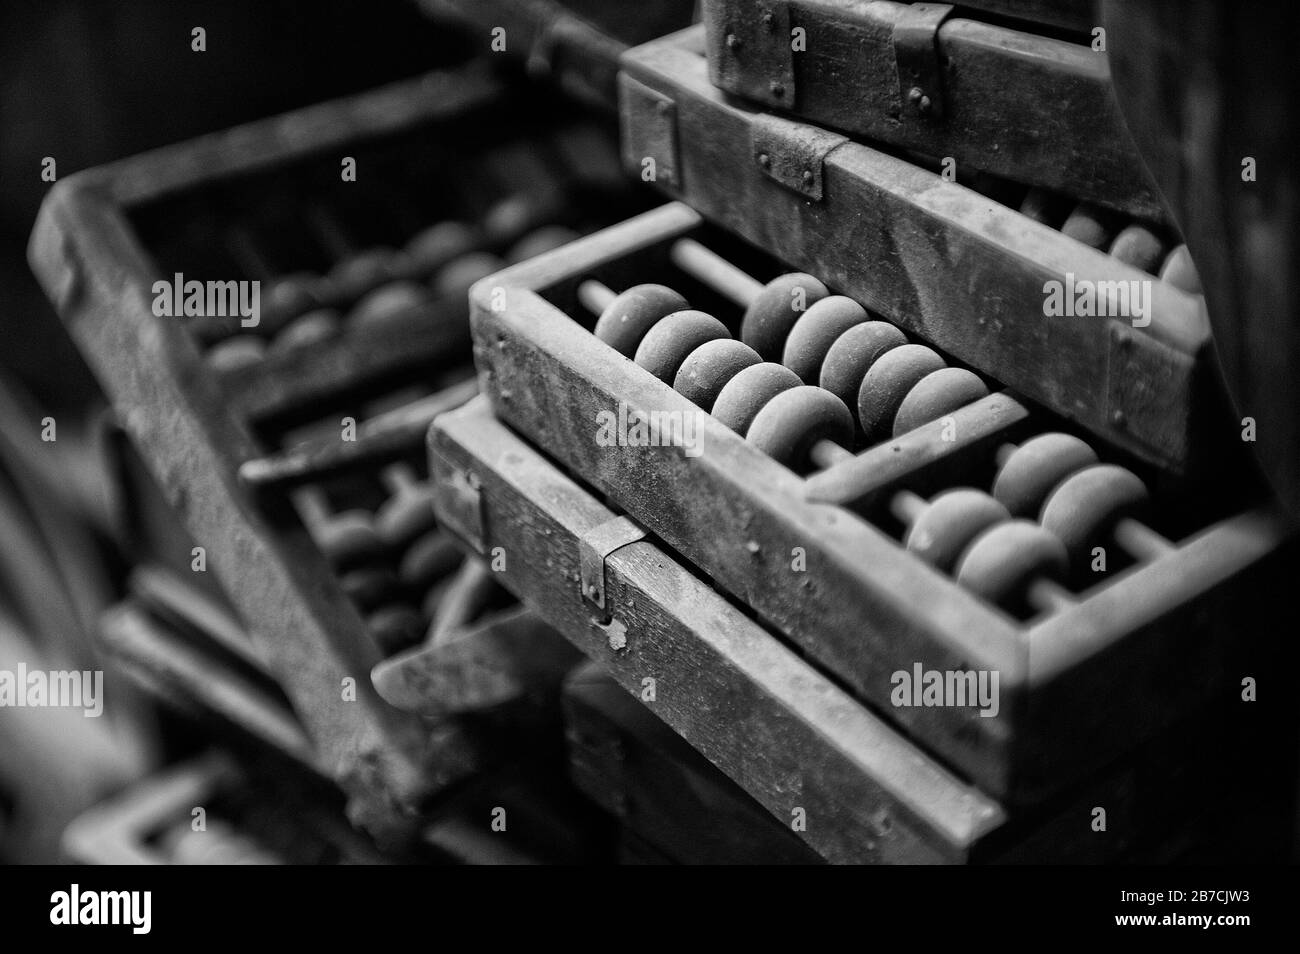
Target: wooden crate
255	204
819	557
765	716
931	78
963	272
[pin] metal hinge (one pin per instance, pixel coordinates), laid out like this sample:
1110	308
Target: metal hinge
753	56
594	547
460	503
792	153
916	54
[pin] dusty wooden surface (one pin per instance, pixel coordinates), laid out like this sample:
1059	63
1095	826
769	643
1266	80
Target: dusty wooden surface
864	608
958	270
777	729
1027	107
648	777
738	695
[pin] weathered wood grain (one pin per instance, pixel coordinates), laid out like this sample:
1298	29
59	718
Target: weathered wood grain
763	716
958	270
864	608
1030	108
648	777
774	726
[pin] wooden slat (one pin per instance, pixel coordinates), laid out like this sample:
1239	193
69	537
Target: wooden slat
656	785
290	385
1026	107
185	673
272	142
380	440
948	265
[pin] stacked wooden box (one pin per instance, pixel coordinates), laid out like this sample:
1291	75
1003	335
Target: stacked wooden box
881	545
952	478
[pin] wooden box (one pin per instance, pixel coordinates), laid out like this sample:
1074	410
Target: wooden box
943	82
819	556
850	784
962	271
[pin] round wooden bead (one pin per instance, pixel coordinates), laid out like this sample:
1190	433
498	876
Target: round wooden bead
788	425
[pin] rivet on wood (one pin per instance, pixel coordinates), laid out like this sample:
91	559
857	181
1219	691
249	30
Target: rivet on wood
733	41
764	160
769	22
777	89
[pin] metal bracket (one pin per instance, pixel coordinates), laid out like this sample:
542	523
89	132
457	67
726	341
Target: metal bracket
460	506
792	153
753	54
650	130
916	54
594	547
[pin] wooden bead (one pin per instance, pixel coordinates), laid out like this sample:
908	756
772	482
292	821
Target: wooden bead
949	522
708	368
745	395
815	331
673	337
788	425
626	319
775	309
888	382
937	394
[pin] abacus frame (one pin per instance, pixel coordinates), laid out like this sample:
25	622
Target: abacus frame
1079	687
887	232
195	427
764	714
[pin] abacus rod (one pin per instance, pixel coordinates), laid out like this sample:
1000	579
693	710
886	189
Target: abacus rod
595	296
1141	542
714	270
